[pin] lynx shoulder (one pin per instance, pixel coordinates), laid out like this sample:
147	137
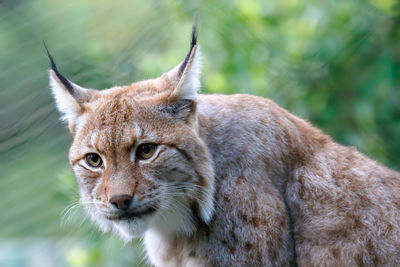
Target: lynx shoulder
215	180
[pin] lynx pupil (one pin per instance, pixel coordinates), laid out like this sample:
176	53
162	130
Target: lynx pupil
93	160
145	151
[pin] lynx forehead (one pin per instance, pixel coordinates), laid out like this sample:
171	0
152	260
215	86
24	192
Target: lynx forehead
213	180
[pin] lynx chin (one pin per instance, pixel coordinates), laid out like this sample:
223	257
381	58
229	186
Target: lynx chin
218	180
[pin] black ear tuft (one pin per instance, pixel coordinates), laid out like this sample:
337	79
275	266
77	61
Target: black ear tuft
194	37
193	43
64	80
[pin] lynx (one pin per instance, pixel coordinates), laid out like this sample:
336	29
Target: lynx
218	180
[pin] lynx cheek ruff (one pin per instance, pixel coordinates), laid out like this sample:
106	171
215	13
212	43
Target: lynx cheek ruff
218	180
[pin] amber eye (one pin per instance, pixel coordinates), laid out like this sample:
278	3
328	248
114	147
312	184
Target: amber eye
93	160
145	151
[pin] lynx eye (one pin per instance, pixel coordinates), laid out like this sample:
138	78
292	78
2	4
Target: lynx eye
145	151
93	160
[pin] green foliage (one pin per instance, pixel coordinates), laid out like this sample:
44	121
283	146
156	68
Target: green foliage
335	63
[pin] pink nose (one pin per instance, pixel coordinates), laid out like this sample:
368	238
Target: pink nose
121	202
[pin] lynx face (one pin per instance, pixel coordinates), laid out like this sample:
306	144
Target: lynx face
137	155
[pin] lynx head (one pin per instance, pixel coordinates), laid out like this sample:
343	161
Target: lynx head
137	154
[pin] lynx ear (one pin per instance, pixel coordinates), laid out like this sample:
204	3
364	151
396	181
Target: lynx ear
69	96
186	76
185	82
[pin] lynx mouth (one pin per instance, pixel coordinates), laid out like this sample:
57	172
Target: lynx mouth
131	215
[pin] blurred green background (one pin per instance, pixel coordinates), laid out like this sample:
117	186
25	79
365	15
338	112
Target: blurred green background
334	62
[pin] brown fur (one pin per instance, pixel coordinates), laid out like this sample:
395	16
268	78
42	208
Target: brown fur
252	184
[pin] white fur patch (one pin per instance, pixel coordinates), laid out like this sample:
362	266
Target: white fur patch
65	102
207	205
67	105
189	84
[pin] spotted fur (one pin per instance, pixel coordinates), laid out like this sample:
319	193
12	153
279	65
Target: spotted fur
235	180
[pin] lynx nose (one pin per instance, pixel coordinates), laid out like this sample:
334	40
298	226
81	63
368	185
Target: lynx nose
121	201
